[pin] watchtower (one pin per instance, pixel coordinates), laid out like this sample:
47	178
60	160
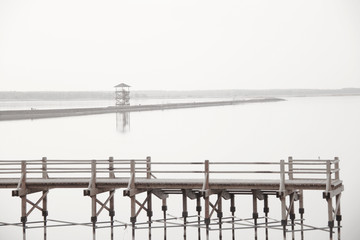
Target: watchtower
122	94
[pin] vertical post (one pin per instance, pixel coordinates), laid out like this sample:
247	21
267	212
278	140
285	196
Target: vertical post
23	198
93	198
338	197
232	210
337	168
198	209
207	203
149	211
148	167
220	214
338	215
283	214
45	211
292	216
255	213
185	212
328	176
301	211
132	197
266	211
291	168
111	193
164	209
329	199
331	219
282	194
149	200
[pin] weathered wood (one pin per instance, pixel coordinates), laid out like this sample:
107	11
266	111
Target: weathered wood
164	209
101	178
266	211
255	214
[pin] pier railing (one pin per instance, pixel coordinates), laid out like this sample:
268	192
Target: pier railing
144	168
193	180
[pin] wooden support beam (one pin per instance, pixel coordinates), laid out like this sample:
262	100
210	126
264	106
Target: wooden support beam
292	215
131	185
185	211
283	215
259	195
164	209
190	194
160	194
255	213
301	211
207	200
45	192
333	193
338	215
331	218
225	195
149	210
111	196
266	211
198	209
232	210
220	214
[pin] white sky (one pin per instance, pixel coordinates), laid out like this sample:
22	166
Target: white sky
178	45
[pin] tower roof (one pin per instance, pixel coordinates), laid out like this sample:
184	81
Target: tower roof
122	85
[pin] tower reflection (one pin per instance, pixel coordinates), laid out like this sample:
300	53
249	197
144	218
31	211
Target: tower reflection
123	122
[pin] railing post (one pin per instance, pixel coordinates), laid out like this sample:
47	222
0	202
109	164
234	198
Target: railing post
132	197
328	176
111	193
45	211
207	202
329	198
93	198
23	198
282	176
337	168
148	167
282	195
149	202
291	168
338	197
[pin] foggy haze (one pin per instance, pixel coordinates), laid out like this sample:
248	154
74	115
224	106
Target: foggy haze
178	45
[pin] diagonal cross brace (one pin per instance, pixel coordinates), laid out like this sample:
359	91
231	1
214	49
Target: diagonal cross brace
35	205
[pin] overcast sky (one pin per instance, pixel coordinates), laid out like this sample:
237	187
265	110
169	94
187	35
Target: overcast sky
179	45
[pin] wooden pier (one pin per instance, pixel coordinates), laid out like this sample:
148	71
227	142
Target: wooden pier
285	180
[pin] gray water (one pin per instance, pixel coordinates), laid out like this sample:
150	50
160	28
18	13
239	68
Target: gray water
305	128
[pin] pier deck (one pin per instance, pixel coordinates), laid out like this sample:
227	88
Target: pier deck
192	180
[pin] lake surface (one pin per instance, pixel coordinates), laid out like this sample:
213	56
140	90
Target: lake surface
305	128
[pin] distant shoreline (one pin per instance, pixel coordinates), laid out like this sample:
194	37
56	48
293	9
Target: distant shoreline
159	94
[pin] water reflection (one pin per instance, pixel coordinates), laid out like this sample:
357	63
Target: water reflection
123	122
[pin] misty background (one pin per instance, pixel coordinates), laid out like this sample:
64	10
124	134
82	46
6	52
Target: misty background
178	45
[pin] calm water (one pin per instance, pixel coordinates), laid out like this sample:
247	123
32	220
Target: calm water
300	127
